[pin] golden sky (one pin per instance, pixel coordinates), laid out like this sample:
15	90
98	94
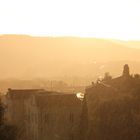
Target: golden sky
119	19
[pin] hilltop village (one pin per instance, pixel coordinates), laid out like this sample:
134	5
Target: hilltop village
109	109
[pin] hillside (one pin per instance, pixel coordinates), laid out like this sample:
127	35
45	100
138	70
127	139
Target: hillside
31	57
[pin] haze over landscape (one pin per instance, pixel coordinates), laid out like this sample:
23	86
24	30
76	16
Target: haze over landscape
70	70
68	40
29	57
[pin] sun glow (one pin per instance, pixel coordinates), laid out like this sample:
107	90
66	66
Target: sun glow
80	95
86	18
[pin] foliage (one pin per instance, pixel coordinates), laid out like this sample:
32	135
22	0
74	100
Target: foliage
107	77
117	119
7	132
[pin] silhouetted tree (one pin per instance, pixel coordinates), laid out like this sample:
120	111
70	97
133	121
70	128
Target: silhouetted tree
107	77
7	132
137	76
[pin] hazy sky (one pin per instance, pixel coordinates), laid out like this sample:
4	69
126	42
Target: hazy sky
118	19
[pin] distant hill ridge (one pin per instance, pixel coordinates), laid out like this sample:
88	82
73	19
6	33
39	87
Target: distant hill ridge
25	56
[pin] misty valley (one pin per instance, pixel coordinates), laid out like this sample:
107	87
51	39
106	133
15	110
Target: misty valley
68	88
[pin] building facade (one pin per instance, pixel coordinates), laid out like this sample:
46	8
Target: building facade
43	115
108	104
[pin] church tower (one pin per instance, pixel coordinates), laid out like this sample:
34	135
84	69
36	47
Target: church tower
126	71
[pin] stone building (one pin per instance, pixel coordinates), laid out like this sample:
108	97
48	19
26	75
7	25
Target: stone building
99	95
15	101
42	115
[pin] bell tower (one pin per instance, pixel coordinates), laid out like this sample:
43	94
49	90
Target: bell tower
126	71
